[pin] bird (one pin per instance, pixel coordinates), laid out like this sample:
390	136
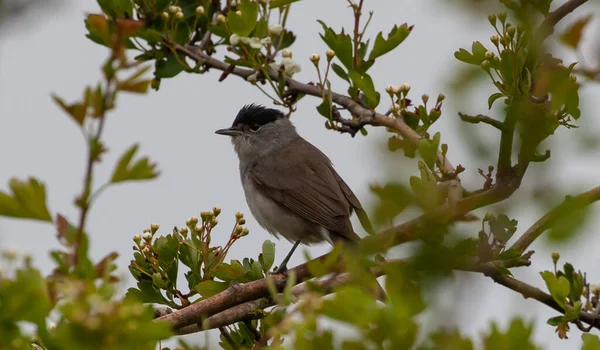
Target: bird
291	187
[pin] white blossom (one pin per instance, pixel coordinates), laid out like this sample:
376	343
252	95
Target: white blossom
275	29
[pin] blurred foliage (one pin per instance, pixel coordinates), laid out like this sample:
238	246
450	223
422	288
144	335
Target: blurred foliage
77	305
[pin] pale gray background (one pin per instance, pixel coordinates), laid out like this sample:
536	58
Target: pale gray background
48	52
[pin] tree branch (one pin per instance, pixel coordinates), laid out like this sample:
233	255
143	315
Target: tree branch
528	291
570	205
364	115
547	27
254	309
480	118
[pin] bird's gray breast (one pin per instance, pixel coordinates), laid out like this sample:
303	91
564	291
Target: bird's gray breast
279	220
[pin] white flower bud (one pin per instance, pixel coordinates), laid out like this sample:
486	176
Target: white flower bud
147	236
146	250
234	39
330	54
238	12
405	88
174	9
275	29
395	107
165	16
489	55
315	57
389	89
137	238
286	53
179	16
200	10
221	18
396	89
154	227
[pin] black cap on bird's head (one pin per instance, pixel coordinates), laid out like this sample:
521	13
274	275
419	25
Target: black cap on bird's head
251	117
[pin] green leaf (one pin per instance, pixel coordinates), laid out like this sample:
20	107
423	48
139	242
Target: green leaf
428	150
229	272
209	288
268	255
244	24
27	200
394	198
558	287
509	254
395	38
365	84
280	3
325	108
146	293
493	98
117	8
340	72
140	170
286	37
590	341
25	297
517	336
575	280
555	321
465	56
77	111
502	227
168	67
340	43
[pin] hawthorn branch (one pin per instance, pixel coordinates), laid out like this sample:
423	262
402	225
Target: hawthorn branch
570	205
364	115
529	291
254	309
480	118
547	27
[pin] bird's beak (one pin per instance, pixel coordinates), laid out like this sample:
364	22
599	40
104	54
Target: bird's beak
229	132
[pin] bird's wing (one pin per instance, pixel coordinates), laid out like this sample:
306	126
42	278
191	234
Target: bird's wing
314	190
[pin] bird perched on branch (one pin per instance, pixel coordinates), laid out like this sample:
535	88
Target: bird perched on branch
291	187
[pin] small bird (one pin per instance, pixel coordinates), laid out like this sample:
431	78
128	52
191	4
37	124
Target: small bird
291	187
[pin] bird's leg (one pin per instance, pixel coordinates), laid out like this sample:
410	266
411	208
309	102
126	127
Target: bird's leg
283	266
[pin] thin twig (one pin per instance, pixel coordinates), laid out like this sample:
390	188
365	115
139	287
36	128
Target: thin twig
565	208
480	118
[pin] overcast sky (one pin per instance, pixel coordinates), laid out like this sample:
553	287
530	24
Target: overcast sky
47	52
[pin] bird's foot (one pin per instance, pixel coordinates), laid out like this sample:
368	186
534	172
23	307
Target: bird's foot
282	269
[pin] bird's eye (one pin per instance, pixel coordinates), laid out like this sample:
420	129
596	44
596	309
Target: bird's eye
255	127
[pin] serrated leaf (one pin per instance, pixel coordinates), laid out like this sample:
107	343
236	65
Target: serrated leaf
365	84
209	288
77	111
98	30
142	169
465	56
558	287
395	37
27	200
340	43
243	24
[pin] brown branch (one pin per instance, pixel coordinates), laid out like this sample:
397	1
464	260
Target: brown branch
547	221
364	115
254	309
547	27
528	291
480	118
